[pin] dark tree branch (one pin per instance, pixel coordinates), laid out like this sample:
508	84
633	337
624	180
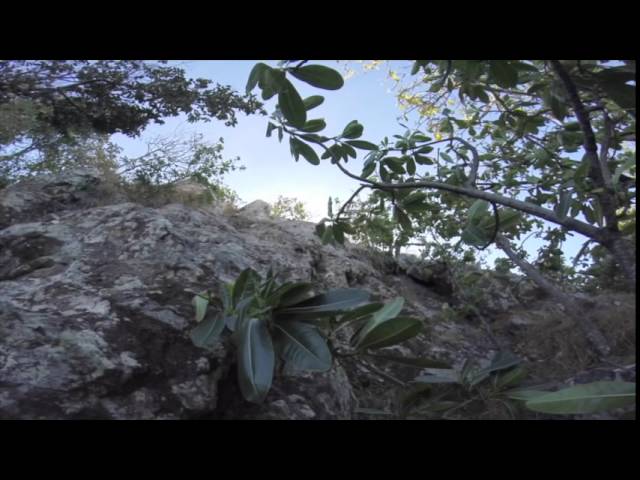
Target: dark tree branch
535	210
607	200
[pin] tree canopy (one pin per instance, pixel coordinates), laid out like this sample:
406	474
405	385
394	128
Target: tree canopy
46	104
507	146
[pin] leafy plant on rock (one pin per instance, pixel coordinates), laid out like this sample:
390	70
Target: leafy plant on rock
498	382
285	323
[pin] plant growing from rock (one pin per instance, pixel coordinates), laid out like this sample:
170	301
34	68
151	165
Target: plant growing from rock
498	382
286	323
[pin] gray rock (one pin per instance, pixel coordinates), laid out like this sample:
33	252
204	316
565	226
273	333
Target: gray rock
95	308
257	210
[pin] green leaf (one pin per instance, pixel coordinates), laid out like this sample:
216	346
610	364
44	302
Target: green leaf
333	152
207	332
236	317
422	160
293	293
292	106
361	312
319	76
475	236
424	149
478	210
306	151
329	303
445	156
270	128
511	377
394	164
289	293
254	76
587	398
411	166
418	137
302	346
315	125
503	73
508	219
312	137
439	375
624	168
502	360
614	84
384	173
414	198
353	130
349	150
403	219
256	360
271	81
312	102
558	108
247	279
200	302
362	144
368	170
386	313
389	333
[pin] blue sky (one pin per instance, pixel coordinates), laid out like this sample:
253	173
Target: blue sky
270	169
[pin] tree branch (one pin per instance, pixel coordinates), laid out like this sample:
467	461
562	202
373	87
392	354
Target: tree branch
355	194
590	146
535	210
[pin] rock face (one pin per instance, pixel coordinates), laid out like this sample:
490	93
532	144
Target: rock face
95	308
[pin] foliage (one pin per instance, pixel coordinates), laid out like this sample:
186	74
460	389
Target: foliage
114	96
498	382
289	208
512	132
152	177
48	106
284	323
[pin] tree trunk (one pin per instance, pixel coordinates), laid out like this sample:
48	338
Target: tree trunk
623	252
573	306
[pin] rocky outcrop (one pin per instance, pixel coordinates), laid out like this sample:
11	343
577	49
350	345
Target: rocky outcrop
95	308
